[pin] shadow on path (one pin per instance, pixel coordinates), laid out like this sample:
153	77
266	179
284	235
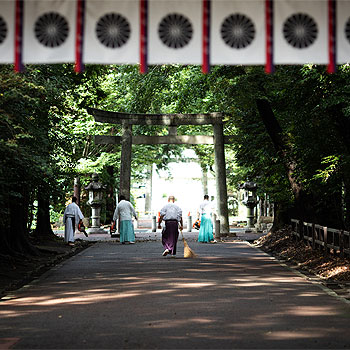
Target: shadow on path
129	296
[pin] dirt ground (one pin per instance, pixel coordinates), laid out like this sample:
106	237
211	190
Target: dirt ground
331	271
284	246
17	271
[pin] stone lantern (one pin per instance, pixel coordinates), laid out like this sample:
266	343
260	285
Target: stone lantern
250	201
95	189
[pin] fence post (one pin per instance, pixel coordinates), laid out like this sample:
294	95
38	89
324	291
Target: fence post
295	230
301	236
217	229
325	241
154	223
189	223
313	236
341	243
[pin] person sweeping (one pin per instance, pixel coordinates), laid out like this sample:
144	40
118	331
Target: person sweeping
172	216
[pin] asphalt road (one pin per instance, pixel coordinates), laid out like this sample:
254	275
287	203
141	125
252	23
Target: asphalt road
129	296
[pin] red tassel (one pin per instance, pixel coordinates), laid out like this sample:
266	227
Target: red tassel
79	66
19	36
331	68
206	37
143	35
269	67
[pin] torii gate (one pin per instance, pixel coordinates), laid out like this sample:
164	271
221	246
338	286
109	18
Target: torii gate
172	121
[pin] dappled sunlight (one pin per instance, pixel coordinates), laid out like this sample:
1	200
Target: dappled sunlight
122	286
205	300
192	285
66	298
172	323
311	311
162	291
201	320
140	283
258	321
253	284
208	336
290	335
8	313
310	294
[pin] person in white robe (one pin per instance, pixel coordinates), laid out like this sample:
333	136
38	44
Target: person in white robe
71	218
206	233
124	212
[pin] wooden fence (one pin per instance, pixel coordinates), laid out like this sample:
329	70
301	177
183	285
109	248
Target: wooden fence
329	240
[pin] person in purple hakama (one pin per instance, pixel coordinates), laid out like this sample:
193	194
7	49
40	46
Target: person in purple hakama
172	216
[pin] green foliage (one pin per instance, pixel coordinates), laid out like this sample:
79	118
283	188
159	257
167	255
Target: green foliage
306	103
47	134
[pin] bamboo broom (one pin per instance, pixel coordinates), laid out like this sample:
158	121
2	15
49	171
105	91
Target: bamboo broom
188	252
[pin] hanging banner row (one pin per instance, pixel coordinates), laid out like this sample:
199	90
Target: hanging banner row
207	32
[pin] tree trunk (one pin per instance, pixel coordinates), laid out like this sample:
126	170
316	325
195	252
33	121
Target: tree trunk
77	189
281	217
346	204
302	200
5	236
43	223
110	200
342	127
5	221
18	233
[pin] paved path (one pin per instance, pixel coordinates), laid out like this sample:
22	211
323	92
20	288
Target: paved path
129	296
148	235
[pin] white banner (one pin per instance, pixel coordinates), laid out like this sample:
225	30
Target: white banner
237	32
175	32
112	31
301	32
49	31
343	31
7	31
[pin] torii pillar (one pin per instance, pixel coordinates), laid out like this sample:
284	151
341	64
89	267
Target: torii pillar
220	177
125	161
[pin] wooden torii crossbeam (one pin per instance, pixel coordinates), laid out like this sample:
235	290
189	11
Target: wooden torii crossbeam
172	121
